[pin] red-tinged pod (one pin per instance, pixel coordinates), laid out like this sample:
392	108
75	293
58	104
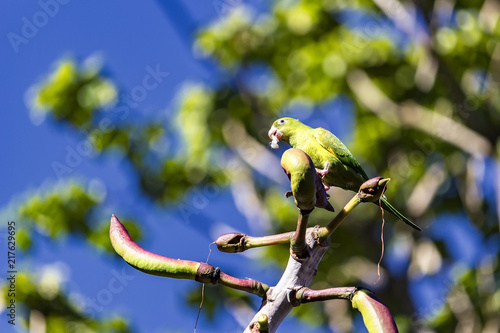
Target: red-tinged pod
376	315
372	189
146	261
231	242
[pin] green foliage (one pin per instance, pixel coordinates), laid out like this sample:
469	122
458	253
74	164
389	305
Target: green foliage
58	212
73	95
65	210
79	97
43	296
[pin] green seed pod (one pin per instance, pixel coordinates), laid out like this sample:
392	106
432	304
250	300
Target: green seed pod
301	172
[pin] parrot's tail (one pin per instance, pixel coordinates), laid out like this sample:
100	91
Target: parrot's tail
388	207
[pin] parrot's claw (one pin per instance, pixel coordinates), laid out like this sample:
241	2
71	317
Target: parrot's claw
288	194
323	172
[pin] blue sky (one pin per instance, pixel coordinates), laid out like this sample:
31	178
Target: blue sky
128	37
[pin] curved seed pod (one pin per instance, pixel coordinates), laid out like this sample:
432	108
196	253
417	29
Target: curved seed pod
146	261
307	189
376	315
155	264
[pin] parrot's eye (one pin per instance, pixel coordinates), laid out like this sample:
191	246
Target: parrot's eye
282	121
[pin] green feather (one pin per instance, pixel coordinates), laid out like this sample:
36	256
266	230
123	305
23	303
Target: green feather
332	144
328	152
388	207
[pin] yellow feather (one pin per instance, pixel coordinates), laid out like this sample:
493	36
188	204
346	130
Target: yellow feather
331	151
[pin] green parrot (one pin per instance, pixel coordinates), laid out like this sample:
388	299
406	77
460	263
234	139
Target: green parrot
333	161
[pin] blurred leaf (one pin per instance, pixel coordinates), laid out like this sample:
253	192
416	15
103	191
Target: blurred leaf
58	311
73	95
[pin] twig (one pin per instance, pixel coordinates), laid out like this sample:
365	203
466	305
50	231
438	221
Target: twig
298	242
238	242
306	295
370	191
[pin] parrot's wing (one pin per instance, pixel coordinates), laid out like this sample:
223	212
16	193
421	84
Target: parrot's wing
331	143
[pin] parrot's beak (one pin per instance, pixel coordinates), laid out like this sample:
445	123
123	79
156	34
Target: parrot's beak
274	133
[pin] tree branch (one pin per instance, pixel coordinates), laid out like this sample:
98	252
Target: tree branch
308	245
306	295
298	241
238	242
299	272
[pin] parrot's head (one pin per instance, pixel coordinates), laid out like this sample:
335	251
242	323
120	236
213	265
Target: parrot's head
283	129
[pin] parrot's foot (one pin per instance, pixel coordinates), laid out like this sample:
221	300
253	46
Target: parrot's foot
288	194
322	172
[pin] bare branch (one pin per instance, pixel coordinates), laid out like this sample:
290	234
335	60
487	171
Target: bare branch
298	242
306	295
238	242
298	273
